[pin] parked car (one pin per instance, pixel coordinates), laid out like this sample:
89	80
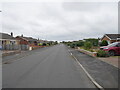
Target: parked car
112	49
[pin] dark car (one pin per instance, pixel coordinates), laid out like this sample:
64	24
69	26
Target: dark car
113	49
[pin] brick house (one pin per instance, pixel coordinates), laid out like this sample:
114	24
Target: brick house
110	38
26	40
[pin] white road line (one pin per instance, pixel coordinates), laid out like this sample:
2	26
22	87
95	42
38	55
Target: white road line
89	76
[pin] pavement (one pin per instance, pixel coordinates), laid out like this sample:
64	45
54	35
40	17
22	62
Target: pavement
51	67
9	52
103	73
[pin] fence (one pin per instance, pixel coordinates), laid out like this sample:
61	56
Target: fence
15	47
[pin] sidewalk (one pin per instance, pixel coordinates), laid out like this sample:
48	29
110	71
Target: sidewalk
10	52
103	73
112	60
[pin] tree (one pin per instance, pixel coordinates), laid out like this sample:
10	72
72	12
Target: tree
87	45
104	43
93	41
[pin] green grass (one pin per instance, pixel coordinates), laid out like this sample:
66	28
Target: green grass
116	56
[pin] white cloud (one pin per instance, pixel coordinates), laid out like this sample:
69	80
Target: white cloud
60	21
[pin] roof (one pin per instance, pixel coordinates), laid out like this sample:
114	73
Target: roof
6	36
113	36
44	41
28	38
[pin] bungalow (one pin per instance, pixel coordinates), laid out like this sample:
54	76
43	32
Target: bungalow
44	42
40	42
8	42
110	38
26	40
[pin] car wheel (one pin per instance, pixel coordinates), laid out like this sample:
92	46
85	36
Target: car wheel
111	53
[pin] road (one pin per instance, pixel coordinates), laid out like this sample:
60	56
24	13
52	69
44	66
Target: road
52	67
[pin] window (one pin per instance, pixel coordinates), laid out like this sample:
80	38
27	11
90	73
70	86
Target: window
118	45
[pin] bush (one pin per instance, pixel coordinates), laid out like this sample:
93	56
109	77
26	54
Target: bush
40	44
87	45
91	50
47	44
68	44
104	43
72	45
80	43
44	44
101	53
93	41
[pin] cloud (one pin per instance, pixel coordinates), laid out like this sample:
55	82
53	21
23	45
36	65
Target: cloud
60	21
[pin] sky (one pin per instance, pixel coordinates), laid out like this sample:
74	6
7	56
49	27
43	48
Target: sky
61	21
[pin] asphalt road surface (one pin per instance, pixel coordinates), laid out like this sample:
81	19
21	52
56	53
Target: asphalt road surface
52	67
103	73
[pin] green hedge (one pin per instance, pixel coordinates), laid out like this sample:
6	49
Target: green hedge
102	53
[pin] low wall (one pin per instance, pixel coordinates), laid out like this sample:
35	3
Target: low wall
94	54
31	47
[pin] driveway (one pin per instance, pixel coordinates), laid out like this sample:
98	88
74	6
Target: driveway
113	60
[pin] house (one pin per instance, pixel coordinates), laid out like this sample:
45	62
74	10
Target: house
110	38
27	40
45	42
40	42
8	42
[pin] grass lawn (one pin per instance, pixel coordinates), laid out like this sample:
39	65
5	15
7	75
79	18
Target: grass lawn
116	56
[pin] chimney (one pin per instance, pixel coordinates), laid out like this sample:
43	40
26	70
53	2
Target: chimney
22	35
12	34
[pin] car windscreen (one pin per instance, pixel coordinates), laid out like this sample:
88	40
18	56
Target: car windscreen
113	44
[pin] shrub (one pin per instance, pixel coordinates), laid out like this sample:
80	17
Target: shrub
68	44
101	53
44	44
91	50
104	43
87	45
39	44
72	45
47	44
80	43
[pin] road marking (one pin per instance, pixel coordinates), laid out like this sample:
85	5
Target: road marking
89	76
